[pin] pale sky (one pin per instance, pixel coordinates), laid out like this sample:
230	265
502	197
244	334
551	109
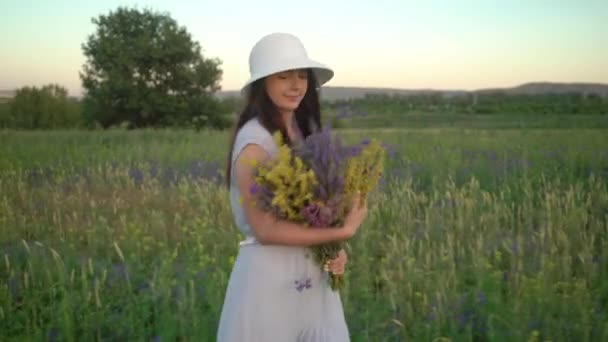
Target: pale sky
398	44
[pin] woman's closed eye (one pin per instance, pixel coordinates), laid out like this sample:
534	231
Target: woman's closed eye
301	75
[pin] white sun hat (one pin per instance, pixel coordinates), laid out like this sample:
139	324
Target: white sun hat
278	52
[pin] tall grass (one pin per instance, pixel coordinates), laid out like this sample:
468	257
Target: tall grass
474	235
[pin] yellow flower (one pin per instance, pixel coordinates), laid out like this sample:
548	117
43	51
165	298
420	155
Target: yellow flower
364	171
290	180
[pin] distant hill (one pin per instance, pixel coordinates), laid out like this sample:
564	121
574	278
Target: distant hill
342	93
6	94
554	88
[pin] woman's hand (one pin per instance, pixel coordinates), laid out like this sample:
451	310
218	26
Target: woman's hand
338	265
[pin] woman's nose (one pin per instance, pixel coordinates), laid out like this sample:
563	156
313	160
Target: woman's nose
296	83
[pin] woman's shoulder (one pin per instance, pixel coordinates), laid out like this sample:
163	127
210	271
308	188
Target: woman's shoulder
254	125
253	132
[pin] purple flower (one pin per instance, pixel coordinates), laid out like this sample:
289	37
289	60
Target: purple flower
318	216
327	157
303	284
14	288
53	334
120	269
137	175
263	195
144	286
390	149
534	324
481	297
464	318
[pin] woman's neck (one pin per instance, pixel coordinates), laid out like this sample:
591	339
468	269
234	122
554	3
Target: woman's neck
290	125
287	118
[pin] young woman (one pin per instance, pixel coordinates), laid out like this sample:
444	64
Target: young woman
276	292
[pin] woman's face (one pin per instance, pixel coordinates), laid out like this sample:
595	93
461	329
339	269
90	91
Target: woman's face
286	89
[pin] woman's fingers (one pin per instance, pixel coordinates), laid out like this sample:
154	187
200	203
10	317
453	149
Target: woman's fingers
335	268
337	265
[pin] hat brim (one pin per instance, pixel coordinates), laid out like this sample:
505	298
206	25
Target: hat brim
322	72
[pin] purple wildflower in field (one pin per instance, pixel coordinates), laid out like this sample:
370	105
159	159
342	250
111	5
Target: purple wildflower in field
118	272
506	276
136	175
391	150
398	173
13	288
433	309
492	156
469	156
196	169
144	286
120	269
464	317
206	169
38	176
344	112
52	335
534	324
481	297
463	174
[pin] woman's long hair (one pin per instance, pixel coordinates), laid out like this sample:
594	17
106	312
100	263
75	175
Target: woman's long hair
259	104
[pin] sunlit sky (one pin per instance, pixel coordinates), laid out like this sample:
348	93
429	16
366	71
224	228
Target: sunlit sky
397	44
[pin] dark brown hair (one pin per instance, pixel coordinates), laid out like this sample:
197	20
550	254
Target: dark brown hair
259	104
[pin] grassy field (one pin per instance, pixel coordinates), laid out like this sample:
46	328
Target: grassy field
349	117
475	234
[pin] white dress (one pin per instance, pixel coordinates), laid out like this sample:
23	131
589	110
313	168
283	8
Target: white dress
275	293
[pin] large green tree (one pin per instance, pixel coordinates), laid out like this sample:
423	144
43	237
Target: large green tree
145	70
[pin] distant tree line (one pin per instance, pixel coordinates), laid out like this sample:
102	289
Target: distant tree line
481	103
49	107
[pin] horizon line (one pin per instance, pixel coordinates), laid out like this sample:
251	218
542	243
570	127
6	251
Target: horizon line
4	90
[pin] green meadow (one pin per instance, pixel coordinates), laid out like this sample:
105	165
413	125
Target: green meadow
482	229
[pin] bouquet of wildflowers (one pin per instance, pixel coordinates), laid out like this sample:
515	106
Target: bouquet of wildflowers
314	181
